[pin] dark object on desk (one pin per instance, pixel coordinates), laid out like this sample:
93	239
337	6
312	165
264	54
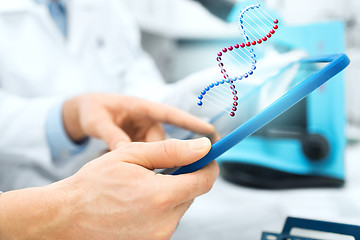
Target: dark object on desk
220	8
266	178
313	225
314	148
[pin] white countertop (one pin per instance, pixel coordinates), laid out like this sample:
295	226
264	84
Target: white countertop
231	212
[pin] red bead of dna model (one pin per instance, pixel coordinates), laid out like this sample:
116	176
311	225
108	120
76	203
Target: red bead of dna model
238	61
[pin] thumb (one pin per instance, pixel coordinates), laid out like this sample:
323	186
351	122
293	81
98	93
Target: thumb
166	154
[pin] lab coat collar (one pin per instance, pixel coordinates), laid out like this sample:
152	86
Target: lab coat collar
77	31
15	6
49	1
80	12
11	6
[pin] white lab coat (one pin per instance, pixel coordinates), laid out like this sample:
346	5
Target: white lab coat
39	67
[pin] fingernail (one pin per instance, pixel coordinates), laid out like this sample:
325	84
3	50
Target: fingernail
199	143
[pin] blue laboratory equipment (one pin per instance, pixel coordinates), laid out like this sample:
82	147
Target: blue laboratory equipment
280	95
304	147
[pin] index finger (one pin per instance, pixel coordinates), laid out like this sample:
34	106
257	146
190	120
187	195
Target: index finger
172	115
188	186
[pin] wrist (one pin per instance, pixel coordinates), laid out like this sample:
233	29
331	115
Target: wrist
71	121
34	213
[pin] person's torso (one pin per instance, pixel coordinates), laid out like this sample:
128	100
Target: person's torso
36	59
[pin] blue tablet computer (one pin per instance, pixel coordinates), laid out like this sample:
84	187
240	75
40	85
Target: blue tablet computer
276	96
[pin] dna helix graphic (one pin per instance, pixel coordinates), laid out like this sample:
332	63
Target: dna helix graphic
238	61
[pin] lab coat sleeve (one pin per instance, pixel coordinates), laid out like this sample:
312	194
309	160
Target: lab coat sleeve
22	128
61	145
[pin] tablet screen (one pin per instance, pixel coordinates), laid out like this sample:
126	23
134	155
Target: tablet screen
257	96
263	102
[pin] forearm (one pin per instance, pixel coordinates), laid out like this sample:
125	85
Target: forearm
112	197
34	213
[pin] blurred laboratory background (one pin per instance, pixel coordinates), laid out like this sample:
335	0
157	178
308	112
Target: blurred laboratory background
183	37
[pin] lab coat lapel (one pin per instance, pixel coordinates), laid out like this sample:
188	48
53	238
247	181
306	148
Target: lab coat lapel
80	14
81	23
41	13
14	6
46	20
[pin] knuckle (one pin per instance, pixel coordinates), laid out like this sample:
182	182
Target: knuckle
135	146
164	233
170	148
163	201
90	122
88	99
133	149
207	184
